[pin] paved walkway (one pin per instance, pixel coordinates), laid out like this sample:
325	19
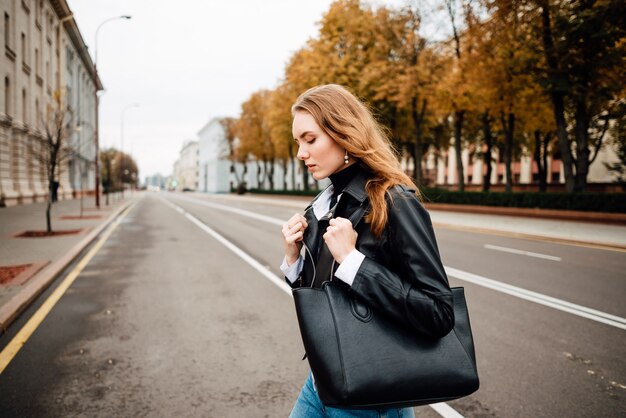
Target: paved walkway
54	253
46	255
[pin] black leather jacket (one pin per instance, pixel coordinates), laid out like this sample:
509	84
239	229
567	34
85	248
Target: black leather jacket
402	274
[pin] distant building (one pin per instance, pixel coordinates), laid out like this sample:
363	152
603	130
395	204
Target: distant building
185	173
156	181
44	53
217	174
213	162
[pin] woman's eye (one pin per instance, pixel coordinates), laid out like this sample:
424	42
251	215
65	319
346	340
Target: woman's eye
310	141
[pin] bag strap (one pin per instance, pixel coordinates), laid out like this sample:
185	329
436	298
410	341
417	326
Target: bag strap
326	259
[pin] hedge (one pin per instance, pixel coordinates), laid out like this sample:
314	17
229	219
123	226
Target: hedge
588	202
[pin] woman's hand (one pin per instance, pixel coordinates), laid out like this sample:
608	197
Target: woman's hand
340	238
293	232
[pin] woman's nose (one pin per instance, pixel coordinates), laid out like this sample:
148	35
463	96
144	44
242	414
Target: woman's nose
302	154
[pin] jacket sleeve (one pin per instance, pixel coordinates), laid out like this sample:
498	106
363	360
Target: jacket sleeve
413	288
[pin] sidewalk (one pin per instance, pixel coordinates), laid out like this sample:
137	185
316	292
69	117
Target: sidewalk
49	256
37	261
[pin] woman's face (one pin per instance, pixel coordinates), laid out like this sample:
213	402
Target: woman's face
320	153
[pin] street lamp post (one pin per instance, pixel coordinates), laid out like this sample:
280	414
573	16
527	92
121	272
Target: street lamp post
130	106
97	100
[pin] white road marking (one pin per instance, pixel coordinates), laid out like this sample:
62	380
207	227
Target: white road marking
560	304
445	410
521	252
555	303
441	408
230	209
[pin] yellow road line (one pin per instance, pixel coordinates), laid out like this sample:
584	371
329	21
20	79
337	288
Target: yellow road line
29	328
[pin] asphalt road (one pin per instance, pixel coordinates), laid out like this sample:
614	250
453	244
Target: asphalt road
165	320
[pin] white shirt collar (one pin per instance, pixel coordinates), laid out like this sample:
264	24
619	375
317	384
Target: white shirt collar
322	204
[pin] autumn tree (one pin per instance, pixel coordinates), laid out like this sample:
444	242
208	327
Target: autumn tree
279	122
254	134
454	86
582	71
400	79
116	169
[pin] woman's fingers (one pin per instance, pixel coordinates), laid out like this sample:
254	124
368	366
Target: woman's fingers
293	229
340	238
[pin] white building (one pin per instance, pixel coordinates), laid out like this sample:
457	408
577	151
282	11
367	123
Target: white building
44	54
216	176
213	162
186	167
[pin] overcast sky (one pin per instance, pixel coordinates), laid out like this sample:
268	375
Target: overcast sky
186	62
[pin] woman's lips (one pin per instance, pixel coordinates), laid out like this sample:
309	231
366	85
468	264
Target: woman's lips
311	166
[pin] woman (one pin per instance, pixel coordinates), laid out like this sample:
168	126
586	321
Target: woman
390	259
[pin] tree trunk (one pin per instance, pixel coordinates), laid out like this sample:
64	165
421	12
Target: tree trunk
508	127
305	176
488	136
50	195
259	179
557	98
541	159
581	133
48	207
418	122
293	167
458	129
270	173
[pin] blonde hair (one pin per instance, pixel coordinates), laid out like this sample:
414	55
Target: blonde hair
350	123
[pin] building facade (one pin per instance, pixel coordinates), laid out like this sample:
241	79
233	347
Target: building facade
213	162
440	170
185	172
44	57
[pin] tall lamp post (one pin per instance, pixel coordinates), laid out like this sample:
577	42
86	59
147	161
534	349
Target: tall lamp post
130	106
97	100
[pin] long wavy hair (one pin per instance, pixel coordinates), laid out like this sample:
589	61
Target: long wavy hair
351	124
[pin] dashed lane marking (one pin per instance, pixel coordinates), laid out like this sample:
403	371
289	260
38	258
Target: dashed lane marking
521	252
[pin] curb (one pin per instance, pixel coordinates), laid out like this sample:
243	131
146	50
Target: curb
535	237
565	215
42	280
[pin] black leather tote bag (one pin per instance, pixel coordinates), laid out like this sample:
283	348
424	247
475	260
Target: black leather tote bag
360	359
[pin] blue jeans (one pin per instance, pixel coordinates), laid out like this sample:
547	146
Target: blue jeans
308	405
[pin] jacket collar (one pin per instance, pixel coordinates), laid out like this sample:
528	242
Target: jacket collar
356	186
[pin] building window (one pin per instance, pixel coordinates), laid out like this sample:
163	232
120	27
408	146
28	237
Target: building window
24	49
556	177
7	30
37	69
7	97
38	5
24	107
37	115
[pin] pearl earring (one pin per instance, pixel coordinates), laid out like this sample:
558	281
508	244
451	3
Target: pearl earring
345	158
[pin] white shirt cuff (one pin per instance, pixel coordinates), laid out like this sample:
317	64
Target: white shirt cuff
292	272
348	269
